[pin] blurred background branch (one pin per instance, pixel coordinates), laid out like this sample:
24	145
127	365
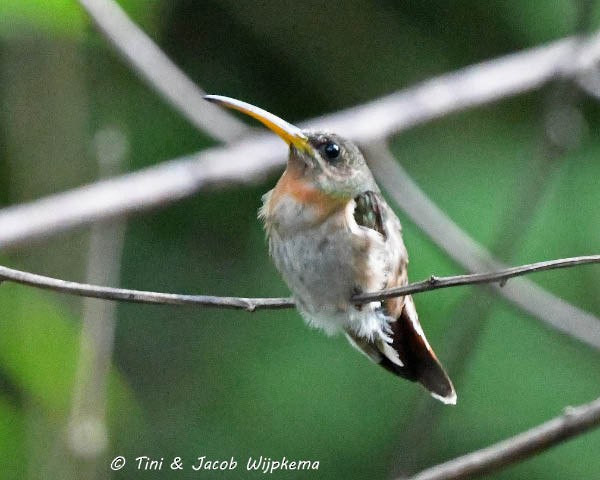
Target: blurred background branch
574	421
378	119
87	432
156	68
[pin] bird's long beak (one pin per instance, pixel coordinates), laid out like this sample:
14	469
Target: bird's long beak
291	134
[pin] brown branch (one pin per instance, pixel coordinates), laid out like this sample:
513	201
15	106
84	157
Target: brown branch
139	296
575	421
252	304
434	283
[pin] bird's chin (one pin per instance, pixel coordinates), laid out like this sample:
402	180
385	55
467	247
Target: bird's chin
300	161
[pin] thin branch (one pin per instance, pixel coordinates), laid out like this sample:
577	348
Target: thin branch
139	296
434	283
252	304
250	160
153	65
574	421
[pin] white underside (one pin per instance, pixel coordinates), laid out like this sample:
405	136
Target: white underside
324	265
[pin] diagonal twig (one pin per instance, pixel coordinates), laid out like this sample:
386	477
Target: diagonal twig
164	184
252	304
574	421
153	65
474	309
523	293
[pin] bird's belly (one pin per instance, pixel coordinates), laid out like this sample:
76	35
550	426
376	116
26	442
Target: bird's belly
318	270
324	267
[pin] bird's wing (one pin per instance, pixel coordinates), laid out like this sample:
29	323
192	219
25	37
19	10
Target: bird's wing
369	212
407	353
373	212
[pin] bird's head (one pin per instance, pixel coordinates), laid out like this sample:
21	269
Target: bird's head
331	163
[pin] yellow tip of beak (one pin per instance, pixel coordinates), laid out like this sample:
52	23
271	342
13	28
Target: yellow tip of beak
291	134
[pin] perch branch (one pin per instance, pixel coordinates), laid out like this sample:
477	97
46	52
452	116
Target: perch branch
252	304
574	421
434	283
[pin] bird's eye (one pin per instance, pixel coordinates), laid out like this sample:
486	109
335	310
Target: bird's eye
331	150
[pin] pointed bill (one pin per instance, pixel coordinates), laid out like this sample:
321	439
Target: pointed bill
291	134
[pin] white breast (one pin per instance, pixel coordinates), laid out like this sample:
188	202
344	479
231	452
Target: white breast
325	264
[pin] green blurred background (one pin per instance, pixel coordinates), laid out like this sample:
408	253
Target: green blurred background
188	382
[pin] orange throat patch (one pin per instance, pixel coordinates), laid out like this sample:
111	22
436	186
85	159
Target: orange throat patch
294	186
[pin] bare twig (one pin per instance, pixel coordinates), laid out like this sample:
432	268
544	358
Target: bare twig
575	421
250	160
433	282
252	304
138	296
151	63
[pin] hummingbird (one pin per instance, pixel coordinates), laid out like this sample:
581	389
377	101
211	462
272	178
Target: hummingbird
331	236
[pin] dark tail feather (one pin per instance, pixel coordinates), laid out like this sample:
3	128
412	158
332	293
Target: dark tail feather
420	363
409	355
